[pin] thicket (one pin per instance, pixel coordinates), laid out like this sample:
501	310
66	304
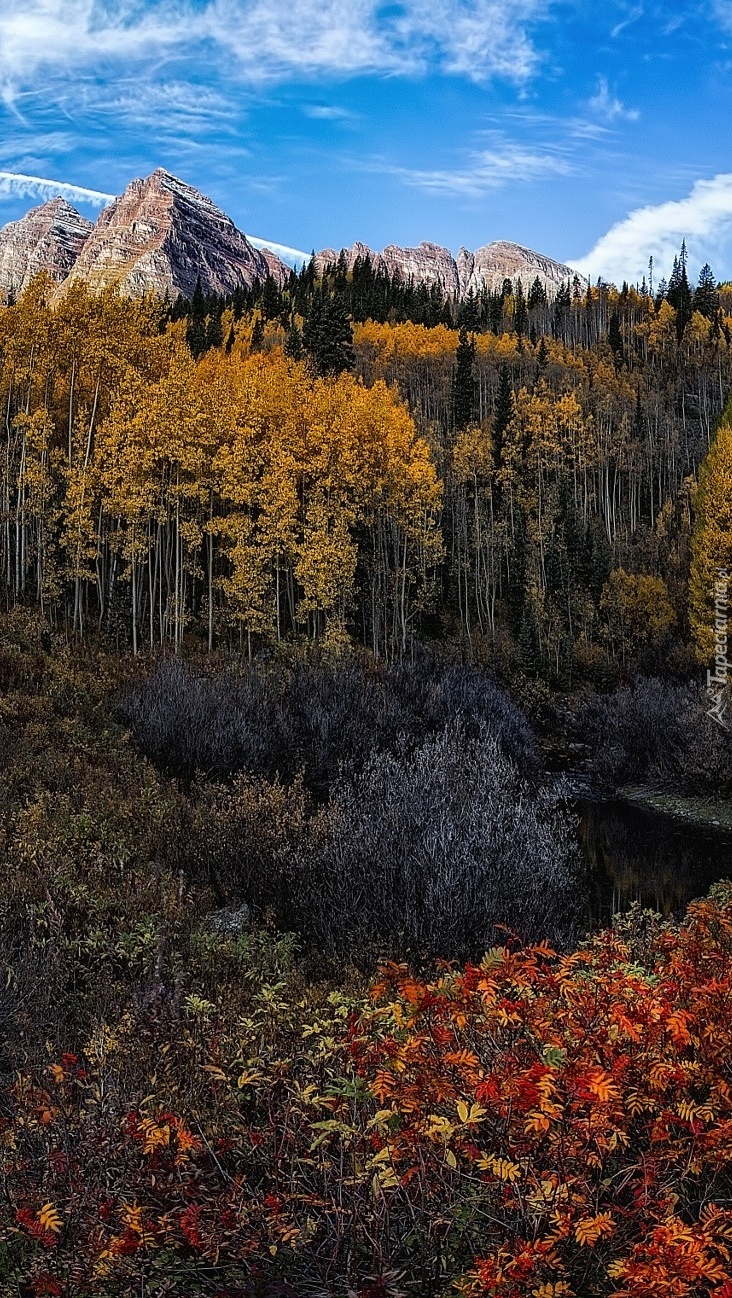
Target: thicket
659	733
394	810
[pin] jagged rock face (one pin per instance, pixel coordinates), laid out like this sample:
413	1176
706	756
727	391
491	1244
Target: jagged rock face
278	270
428	264
488	267
48	238
502	260
162	236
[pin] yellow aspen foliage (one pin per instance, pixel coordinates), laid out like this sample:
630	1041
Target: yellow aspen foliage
637	609
711	547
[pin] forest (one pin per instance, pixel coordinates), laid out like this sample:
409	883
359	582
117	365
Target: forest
316	601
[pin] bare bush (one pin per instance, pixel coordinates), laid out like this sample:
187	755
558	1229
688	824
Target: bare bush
319	718
426	853
657	732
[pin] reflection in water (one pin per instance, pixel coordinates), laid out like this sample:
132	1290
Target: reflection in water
639	855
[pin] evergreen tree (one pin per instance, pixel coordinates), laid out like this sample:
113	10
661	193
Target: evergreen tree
615	338
468	315
706	297
257	339
270	301
196	331
520	310
327	337
293	341
463	381
679	292
537	295
503	414
214	332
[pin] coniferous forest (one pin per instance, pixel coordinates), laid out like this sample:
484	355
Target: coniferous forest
324	607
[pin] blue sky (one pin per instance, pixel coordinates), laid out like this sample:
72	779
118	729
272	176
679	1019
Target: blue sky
594	132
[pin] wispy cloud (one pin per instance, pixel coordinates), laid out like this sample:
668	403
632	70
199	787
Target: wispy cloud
326	112
168	103
15	185
608	107
631	17
269	39
484	171
703	218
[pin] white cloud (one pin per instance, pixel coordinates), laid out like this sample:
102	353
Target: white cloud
15	185
489	169
606	105
326	112
631	17
291	256
703	218
270	39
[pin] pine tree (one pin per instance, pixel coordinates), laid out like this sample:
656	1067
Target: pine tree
521	313
706	297
196	331
468	315
257	339
328	338
214	332
463	381
270	300
503	414
537	295
615	339
679	292
293	341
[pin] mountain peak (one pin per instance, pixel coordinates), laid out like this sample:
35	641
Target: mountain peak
164	236
488	267
48	238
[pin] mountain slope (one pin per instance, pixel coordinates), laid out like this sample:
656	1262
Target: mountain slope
48	238
163	236
486	268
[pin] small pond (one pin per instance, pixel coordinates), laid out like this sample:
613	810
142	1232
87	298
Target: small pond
637	854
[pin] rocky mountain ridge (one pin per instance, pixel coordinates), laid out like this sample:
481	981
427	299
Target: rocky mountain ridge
48	238
163	236
488	267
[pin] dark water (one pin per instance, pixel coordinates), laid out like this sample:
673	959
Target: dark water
636	854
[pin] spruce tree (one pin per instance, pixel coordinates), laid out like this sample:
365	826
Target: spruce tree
679	292
521	313
257	339
503	414
293	341
463	381
537	295
615	338
270	301
196	331
706	297
214	332
328	338
468	315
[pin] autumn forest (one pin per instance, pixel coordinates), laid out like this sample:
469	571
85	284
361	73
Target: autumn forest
326	608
